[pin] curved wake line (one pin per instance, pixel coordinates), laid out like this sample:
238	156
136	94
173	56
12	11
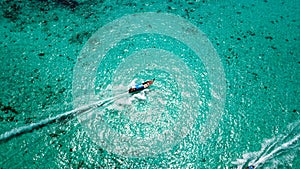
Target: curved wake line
272	148
26	129
281	147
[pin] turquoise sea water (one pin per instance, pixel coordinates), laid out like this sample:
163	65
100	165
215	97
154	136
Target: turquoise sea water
51	64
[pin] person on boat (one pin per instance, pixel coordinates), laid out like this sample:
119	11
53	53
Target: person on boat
141	86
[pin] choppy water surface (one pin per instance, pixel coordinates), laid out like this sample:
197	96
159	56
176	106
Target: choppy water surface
225	94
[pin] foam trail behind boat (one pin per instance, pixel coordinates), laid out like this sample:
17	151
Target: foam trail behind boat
273	153
26	129
274	150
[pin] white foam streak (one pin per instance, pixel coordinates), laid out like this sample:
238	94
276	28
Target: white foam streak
272	148
273	153
25	129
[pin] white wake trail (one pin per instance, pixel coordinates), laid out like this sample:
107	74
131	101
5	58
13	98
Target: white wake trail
272	148
83	109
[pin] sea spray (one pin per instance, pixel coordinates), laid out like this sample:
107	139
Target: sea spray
273	151
26	129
